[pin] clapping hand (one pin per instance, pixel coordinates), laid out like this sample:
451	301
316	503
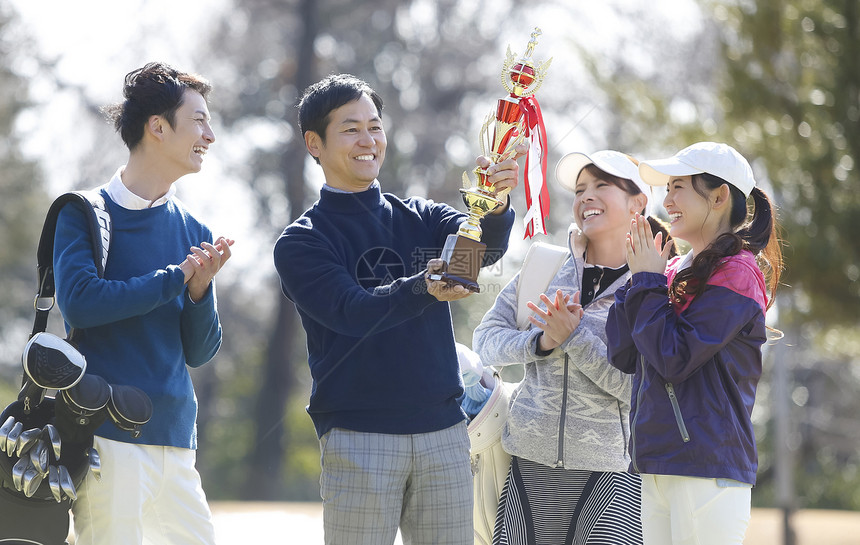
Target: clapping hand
203	263
646	252
558	321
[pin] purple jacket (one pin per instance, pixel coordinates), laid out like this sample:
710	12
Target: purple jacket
696	369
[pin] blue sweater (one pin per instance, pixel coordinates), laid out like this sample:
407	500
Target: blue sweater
139	327
380	348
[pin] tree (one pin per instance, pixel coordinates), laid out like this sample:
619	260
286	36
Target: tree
23	202
792	97
278	376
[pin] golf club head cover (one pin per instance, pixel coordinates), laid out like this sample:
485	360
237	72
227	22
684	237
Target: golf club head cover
129	408
80	410
52	363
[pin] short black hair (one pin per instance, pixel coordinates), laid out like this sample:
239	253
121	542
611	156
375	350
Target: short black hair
155	89
328	94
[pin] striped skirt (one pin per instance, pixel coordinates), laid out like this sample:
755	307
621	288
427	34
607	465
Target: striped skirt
542	505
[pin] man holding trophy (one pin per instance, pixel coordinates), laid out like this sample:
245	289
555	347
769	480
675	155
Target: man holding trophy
395	451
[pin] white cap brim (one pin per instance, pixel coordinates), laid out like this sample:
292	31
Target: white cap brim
660	171
609	161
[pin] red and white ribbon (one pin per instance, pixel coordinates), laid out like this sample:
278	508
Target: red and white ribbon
537	193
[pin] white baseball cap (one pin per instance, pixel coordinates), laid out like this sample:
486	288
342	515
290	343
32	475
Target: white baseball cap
609	161
712	157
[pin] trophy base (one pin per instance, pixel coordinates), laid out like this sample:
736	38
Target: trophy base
462	257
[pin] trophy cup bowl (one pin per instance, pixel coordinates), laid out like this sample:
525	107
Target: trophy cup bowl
480	203
522	75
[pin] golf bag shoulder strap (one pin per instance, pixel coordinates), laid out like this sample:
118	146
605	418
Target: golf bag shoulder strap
99	222
541	264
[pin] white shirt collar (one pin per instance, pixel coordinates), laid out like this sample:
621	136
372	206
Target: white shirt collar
123	196
686	262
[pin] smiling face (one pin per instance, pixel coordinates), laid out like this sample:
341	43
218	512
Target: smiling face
602	210
187	141
696	215
354	146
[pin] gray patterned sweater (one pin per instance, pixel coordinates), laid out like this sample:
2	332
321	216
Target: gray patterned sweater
571	409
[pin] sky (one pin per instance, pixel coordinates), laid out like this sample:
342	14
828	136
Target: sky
109	34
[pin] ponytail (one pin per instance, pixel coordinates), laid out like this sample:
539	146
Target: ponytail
761	236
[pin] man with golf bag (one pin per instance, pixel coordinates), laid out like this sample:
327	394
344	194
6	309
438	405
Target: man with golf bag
142	323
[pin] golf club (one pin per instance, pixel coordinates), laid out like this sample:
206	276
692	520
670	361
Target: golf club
4	431
18	472
54	437
12	438
26	440
32	480
39	457
66	483
95	463
54	483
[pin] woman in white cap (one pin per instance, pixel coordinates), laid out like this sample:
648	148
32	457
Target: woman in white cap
568	427
691	333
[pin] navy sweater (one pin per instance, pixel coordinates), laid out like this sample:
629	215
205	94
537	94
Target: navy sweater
380	348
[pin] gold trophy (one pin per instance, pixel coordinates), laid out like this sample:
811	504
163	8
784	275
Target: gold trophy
463	252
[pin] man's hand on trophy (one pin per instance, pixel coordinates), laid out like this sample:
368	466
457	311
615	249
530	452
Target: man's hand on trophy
440	289
505	175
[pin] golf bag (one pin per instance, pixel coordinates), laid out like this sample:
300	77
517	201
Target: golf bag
46	442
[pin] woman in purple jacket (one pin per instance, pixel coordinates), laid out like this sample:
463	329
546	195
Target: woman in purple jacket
691	333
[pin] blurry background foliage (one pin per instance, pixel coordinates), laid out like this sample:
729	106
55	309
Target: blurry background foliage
777	79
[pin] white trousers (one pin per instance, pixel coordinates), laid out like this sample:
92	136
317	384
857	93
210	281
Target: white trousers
147	494
694	511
